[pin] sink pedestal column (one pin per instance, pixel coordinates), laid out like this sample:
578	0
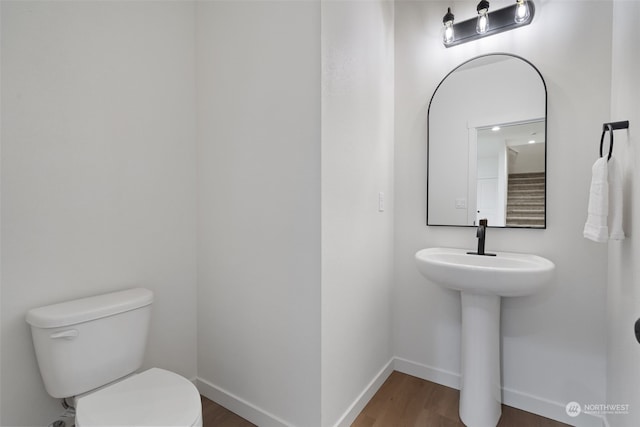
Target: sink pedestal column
480	391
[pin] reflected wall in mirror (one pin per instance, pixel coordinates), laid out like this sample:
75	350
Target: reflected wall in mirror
487	145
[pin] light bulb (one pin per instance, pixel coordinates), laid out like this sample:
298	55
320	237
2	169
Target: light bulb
482	25
447	36
448	33
522	11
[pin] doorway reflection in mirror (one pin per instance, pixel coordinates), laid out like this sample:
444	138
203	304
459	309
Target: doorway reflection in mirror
509	178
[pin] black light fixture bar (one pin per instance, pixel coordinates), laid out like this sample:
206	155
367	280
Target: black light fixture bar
499	21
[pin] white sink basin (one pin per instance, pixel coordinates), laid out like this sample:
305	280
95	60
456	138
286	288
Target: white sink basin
506	274
482	281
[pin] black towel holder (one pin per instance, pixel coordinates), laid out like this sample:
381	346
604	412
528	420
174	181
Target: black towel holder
611	127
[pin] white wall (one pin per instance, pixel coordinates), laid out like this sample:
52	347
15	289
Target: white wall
260	168
98	175
530	159
357	164
553	344
258	77
623	369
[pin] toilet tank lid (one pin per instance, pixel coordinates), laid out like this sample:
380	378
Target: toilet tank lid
91	308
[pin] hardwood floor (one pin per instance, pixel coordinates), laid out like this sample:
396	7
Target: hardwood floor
214	415
402	400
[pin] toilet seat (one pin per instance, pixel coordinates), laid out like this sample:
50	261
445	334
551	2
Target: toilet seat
155	397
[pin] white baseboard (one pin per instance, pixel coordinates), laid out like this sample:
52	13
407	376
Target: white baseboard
516	399
361	401
246	410
527	402
548	408
262	418
429	373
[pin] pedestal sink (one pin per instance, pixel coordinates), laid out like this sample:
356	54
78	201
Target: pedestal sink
482	281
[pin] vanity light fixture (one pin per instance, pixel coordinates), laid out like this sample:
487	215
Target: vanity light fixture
487	23
495	128
482	23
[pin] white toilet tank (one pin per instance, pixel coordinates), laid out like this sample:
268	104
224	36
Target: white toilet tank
86	343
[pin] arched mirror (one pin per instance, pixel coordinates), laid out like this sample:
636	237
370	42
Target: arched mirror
487	145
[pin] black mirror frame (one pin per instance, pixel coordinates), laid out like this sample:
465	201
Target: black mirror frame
546	97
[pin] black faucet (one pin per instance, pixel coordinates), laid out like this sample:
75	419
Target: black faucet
481	233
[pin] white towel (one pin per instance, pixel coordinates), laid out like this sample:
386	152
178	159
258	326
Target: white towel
605	202
596	227
615	201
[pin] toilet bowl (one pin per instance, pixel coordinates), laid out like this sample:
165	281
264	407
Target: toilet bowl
155	397
89	349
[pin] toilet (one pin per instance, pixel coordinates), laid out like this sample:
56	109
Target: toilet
89	349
